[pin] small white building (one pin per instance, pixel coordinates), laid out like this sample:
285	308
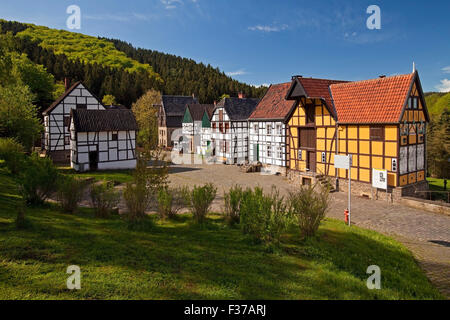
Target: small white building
267	129
197	127
56	139
102	139
229	129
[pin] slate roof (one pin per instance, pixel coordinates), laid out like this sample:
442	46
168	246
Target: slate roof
176	105
197	110
238	109
121	107
174	121
103	120
274	105
372	101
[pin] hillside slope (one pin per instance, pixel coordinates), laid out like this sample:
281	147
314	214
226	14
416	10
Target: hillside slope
115	67
437	102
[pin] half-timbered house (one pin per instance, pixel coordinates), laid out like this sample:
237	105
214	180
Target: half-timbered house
170	118
267	129
380	122
196	124
57	119
102	139
229	129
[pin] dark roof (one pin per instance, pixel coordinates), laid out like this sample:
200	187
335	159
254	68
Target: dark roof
313	88
121	107
174	122
372	101
274	104
103	120
238	109
176	105
198	110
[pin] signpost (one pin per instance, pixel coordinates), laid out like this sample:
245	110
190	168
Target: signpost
345	162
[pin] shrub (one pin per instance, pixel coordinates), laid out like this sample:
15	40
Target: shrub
233	199
264	217
309	205
200	199
104	198
37	180
150	175
70	192
171	201
13	153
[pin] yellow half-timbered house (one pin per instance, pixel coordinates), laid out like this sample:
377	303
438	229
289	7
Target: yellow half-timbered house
380	122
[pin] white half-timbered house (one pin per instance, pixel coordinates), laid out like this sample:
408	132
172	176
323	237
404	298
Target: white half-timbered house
103	139
267	129
57	119
196	121
229	125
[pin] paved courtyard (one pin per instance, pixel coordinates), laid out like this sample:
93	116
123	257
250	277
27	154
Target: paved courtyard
426	234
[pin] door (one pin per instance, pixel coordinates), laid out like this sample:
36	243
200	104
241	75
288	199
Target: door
93	160
256	152
311	161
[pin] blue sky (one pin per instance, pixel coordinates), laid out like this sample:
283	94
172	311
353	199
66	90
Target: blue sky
263	42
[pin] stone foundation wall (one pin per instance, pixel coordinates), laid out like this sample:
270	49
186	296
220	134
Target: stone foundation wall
363	189
62	156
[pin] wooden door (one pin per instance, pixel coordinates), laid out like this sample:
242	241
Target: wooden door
311	161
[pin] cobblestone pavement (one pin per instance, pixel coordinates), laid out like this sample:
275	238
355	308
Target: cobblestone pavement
426	234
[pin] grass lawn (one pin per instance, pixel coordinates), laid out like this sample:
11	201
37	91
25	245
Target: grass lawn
178	260
116	176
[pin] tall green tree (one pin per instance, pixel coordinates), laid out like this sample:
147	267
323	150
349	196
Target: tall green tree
146	114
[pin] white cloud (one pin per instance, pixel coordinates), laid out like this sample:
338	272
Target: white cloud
236	73
261	85
444	86
107	16
171	4
446	69
267	28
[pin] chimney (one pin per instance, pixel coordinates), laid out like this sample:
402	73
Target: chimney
241	95
382	76
66	83
193	95
296	76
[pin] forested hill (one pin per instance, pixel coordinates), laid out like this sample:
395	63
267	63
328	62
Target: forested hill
437	102
185	76
114	67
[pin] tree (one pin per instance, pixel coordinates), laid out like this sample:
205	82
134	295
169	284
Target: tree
146	114
109	100
18	115
439	146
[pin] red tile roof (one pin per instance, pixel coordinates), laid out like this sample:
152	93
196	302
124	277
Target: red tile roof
371	101
273	105
319	88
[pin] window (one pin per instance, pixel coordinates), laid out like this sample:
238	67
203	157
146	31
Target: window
377	133
214	125
81	106
415	102
307	138
114	137
269	129
220	115
227	126
66	121
310	111
221	127
269	150
255	127
66	140
279	152
279	129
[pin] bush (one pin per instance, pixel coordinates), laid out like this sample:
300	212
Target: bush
200	199
37	180
13	153
151	175
104	198
264	217
309	205
171	201
233	199
70	192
